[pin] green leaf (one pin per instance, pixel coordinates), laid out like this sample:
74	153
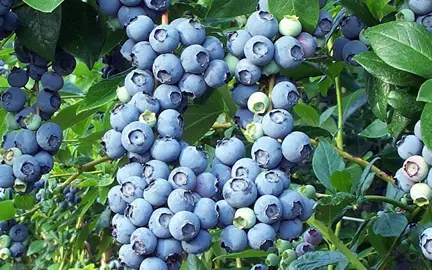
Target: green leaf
329	207
250	253
39	31
306	10
425	92
7	210
326	115
313	132
112	39
381	244
103	92
194	263
403	45
319	259
325	161
82	35
405	103
3	126
361	10
376	7
198	119
36	247
230	8
377	92
352	99
305	70
426	125
378	68
307	114
69	116
390	224
366	178
377	129
341	180
43	5
397	124
25	202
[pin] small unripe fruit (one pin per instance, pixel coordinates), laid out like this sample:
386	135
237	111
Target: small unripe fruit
5	254
244	218
5	241
148	118
415	168
123	95
288	256
258	102
290	26
405	15
272	260
421	194
231	61
254	131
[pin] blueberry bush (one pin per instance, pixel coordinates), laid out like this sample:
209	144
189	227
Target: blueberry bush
216	134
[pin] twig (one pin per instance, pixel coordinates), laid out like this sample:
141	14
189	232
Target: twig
165	19
339	136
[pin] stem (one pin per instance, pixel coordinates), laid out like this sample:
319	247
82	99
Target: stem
70	174
239	263
333	247
374	198
270	90
165	19
221	125
5	41
339	136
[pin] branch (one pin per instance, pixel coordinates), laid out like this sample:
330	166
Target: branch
373	198
339	136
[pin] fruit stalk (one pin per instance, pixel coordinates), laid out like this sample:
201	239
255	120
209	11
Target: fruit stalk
339	136
165	19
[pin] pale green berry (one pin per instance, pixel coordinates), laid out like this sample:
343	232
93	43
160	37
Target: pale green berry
148	118
415	168
9	155
5	254
290	26
288	256
123	95
5	241
244	218
231	61
258	102
363	38
421	194
19	185
272	260
33	121
308	191
283	245
405	14
297	242
271	68
254	131
11	121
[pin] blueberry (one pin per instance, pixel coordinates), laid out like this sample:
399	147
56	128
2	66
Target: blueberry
45	161
182	178
23	114
247	73
52	81
36	72
409	146
415	168
139	158
195	59
145	102
425	241
194	158
304	248
5	6
26	168
290	26
181	200
244	218
420	7
308	42
122	115
7	179
153	263
48	102
338	45
229	150
126	14
226	213
426	21
207	185
267	152
325	24
236	42
171	251
427	155
199	244
239	192
126	49
139	28
111	143
17	77
130	169
165	149
168	96
222	173
288	52
191	32
143	241
421	194
261	237
312	236
233	239
184	226
129	257
25	140
258	103
192	85
18	233
133	188
159	5
296	147
243	117
167	68
292	204
143	55
157	192
241	93
259	267
259	50
109	7
115	201
123	229
159	222
64	63
290	229
351	26
139	212
49	137
205	209
164	39
13	99
139	81
285	95
137	137
17	249
351	49
170	123
307	211
268	209
215	48
278	123
155	169
217	73
262	23
270	183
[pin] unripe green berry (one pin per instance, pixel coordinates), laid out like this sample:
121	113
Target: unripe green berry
363	38
405	14
244	218
271	68
33	121
297	242
123	95
5	254
19	185
290	26
11	121
288	256
421	194
272	260
308	191
9	155
148	118
283	245
258	102
5	241
254	131
416	168
231	61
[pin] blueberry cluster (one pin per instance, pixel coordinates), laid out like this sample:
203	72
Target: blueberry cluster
28	147
12	237
127	10
71	196
415	177
419	11
352	42
8	19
